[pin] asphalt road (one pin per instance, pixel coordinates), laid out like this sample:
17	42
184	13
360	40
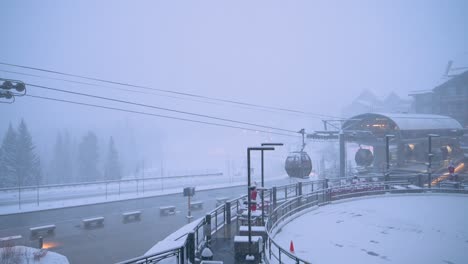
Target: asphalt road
114	241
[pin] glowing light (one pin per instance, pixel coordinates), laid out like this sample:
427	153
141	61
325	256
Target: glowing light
449	149
446	175
411	146
49	245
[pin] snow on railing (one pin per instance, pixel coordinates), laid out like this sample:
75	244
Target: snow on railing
180	248
290	209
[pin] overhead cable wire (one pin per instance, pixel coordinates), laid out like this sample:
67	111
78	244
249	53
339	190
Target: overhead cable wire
319	116
158	108
100	85
155	115
141	92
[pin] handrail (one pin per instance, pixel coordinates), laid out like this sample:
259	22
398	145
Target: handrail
284	211
154	258
178	252
24	187
304	195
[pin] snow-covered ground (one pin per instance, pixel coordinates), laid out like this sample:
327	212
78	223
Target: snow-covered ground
25	255
390	229
91	194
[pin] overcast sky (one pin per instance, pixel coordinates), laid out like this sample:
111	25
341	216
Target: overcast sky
314	56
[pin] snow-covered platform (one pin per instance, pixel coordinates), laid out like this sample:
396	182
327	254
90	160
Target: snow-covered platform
421	228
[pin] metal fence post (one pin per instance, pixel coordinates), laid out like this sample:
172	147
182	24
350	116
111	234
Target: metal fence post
274	197
299	188
37	195
182	257
216	220
227	208
269	247
191	246
279	254
207	229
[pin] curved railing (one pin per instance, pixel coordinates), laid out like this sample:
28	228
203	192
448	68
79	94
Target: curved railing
285	201
284	212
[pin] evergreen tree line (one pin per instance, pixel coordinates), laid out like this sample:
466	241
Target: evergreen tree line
82	162
70	163
19	163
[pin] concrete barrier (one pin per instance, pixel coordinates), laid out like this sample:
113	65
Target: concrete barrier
196	205
135	215
10	238
167	210
96	221
49	229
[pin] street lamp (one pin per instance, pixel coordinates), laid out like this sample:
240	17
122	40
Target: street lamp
249	213
387	155
263	179
429	157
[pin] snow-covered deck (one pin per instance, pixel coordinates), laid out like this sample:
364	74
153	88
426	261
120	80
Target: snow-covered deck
386	229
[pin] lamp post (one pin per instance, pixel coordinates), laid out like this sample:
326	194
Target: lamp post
249	213
263	179
387	155
429	157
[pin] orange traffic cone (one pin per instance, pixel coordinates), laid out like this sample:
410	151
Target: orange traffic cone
291	247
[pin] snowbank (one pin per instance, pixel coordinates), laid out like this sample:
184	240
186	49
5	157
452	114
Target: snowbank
25	255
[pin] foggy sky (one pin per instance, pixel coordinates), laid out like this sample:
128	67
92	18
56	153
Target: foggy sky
314	56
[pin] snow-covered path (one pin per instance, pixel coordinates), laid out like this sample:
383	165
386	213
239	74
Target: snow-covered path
391	229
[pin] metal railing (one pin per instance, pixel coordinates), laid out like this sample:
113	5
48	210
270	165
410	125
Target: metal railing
197	238
285	211
135	186
284	202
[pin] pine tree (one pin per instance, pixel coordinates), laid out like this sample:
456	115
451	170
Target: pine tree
88	158
56	168
61	163
67	159
8	159
112	168
27	162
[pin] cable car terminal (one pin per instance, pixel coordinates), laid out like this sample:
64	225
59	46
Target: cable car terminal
391	143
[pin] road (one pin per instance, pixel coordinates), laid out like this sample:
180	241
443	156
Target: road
115	241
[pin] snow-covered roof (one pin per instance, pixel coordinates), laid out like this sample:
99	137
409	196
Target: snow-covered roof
422	121
416	121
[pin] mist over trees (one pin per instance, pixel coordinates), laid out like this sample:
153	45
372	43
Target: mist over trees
88	158
69	161
112	169
19	163
61	167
